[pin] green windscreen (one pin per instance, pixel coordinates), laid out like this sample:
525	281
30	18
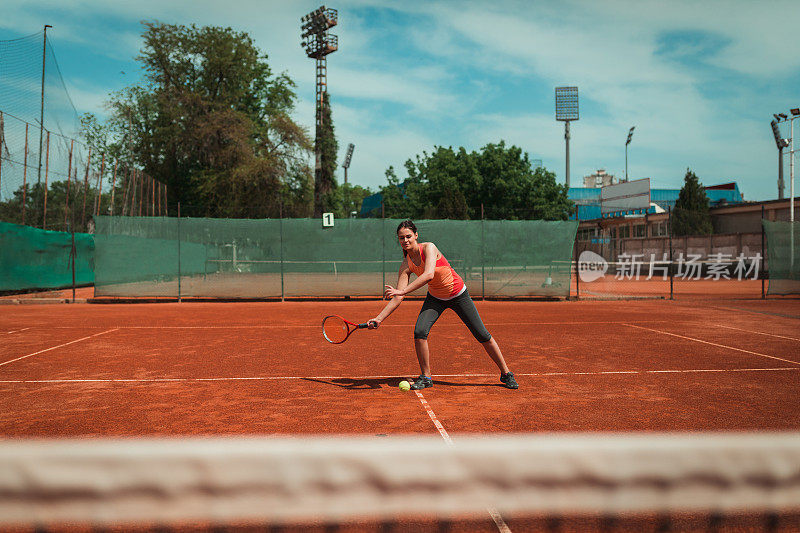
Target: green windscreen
232	258
31	258
783	256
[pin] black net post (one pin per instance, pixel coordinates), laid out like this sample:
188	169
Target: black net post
671	265
763	256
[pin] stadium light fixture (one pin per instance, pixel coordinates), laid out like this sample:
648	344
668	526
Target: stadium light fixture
347	157
567	111
630	136
781	143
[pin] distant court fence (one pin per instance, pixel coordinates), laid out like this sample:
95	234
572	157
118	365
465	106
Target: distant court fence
288	258
31	258
613	264
298	258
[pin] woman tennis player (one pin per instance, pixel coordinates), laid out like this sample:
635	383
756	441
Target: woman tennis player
446	290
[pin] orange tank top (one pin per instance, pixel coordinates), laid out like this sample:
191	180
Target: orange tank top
446	283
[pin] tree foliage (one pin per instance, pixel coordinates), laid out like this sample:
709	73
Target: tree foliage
69	205
211	120
325	197
455	184
692	215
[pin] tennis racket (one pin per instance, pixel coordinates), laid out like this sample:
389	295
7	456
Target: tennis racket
336	329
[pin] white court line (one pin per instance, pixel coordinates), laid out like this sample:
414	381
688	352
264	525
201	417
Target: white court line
16	331
59	346
759	332
439	426
493	513
715	344
362	378
276	326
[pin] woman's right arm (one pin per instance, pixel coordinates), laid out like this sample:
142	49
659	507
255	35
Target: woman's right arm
394	303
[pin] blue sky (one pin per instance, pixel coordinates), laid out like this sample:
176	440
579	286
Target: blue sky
699	80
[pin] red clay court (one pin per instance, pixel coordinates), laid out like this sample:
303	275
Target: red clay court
264	368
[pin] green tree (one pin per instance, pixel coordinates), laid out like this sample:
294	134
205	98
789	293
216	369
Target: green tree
456	184
211	120
349	197
64	211
691	215
396	203
325	185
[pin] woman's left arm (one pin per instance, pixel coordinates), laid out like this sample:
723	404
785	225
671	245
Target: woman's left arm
430	265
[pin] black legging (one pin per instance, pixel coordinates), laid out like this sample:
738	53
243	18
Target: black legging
464	307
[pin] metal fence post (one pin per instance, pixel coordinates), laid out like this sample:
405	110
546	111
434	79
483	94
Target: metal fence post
669	232
577	266
383	251
280	214
763	255
179	252
72	253
483	256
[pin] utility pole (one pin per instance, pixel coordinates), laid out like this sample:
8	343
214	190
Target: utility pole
41	111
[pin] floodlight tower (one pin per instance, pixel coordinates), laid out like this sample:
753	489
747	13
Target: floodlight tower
783	117
567	111
318	44
630	136
348	156
781	143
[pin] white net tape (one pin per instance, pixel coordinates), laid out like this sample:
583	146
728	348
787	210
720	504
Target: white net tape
220	480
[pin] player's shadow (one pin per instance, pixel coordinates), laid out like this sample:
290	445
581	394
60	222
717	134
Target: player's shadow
378	383
359	383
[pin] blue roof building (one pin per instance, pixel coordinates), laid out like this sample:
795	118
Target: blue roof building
588	200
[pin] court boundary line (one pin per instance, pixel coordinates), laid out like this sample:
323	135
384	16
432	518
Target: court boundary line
715	344
432	415
759	332
59	346
435	377
409	325
18	330
495	515
755	311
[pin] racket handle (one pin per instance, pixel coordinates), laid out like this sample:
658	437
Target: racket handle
363	326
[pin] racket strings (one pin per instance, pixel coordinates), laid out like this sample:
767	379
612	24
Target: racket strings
335	329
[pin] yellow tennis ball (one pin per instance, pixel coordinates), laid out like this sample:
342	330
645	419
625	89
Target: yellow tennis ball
404	386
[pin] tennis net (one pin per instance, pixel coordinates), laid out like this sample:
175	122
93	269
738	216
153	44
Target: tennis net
512	483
